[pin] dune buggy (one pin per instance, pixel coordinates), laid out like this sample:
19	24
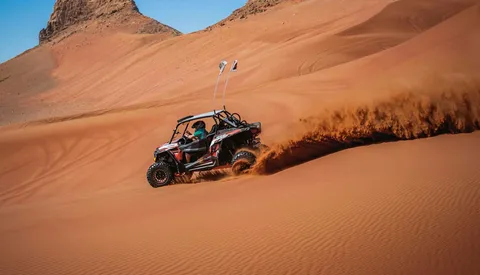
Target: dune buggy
230	143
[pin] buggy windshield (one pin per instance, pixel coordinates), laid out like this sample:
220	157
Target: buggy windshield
179	132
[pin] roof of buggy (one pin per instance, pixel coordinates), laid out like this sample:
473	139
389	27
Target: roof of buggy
199	116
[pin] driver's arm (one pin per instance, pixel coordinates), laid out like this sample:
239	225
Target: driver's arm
190	135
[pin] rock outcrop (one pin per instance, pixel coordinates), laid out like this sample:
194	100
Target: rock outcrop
69	15
250	8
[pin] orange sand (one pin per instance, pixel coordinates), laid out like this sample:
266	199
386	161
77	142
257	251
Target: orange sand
81	119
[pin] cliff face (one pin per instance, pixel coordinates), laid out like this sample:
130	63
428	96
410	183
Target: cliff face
69	14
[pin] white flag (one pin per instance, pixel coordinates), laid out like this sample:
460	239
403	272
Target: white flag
222	66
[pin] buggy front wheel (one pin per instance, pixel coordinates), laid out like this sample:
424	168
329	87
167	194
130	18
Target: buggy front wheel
159	174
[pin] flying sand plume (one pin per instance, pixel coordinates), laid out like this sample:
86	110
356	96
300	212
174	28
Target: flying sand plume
451	106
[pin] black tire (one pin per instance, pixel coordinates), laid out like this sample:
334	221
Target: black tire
242	161
159	174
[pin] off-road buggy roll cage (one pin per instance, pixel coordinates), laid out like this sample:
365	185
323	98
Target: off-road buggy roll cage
217	115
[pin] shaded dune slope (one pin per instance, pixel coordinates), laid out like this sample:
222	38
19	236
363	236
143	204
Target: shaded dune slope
409	17
393	25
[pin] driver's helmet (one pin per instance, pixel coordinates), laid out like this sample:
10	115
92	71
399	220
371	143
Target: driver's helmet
198	125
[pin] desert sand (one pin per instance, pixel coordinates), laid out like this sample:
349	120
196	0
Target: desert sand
371	109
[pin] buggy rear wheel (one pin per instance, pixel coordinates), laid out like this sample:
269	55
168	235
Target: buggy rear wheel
159	174
242	161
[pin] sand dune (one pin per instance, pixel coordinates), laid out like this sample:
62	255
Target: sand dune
418	215
116	70
322	76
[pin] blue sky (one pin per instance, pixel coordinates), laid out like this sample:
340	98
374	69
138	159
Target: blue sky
21	20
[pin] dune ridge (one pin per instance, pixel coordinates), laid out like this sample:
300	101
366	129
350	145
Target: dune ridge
440	106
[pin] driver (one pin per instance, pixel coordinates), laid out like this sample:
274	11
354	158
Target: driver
200	133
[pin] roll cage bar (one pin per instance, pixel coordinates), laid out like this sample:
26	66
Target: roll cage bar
217	115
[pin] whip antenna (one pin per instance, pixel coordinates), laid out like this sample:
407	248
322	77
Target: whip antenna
233	69
222	67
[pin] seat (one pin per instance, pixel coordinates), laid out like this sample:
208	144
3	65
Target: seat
208	140
214	129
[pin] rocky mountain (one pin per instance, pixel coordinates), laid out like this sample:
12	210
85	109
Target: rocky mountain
250	8
71	15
